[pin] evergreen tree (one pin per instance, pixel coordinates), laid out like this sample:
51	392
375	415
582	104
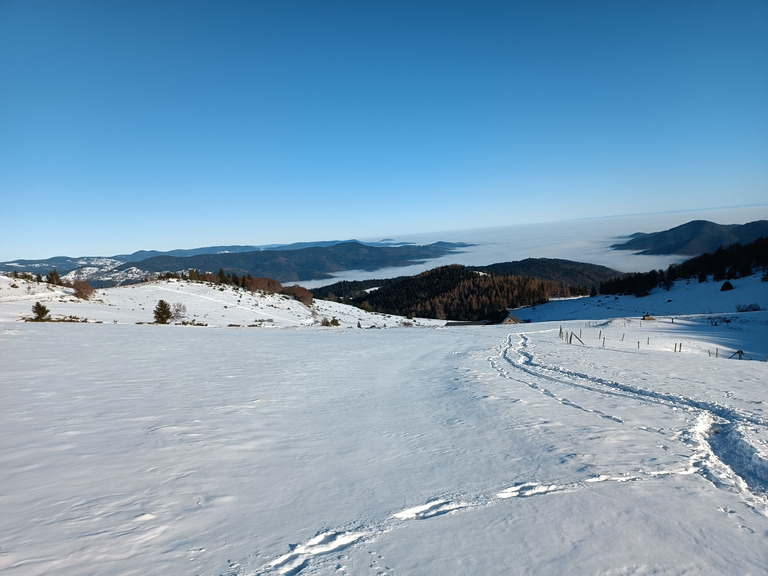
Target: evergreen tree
163	312
53	278
41	312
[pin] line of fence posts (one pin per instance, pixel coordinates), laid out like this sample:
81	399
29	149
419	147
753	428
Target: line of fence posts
569	336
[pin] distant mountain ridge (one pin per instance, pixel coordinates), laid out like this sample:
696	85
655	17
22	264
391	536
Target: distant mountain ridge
311	263
238	249
285	263
694	238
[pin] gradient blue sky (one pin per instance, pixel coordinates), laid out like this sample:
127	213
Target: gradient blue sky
128	125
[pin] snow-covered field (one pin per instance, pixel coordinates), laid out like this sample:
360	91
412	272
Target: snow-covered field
638	448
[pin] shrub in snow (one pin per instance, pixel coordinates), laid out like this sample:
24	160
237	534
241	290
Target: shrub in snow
299	293
163	312
264	284
83	289
41	312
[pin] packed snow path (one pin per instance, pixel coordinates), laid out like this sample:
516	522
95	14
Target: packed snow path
478	450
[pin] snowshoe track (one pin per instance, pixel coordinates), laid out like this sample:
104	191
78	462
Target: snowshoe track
721	454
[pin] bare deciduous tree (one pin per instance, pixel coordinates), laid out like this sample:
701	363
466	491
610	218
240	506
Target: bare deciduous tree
178	312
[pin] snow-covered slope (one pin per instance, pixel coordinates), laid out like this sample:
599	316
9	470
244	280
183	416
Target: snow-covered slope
145	449
685	297
708	319
208	304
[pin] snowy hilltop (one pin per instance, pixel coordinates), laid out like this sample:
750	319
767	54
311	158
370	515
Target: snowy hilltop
203	304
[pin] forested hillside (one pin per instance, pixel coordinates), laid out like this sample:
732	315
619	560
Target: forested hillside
554	269
567	272
735	261
695	237
457	293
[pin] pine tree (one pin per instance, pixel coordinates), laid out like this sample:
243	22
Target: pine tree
163	312
41	312
53	278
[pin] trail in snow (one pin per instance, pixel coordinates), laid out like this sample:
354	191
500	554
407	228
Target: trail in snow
720	453
327	542
723	454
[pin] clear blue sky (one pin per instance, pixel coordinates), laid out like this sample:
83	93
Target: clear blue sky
128	125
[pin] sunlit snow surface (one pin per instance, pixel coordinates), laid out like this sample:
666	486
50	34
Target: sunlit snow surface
143	449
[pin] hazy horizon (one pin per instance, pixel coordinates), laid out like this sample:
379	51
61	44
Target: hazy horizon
648	222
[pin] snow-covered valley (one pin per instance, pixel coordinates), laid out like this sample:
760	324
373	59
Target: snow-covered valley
264	443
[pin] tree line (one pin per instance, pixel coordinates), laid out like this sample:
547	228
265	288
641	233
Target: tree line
244	282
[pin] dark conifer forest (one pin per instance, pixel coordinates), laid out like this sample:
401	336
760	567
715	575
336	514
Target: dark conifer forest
453	292
735	261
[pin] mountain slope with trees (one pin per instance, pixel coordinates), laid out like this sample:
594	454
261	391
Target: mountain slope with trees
735	261
458	293
693	238
553	269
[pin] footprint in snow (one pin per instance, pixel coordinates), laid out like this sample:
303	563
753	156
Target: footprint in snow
429	510
528	489
296	560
